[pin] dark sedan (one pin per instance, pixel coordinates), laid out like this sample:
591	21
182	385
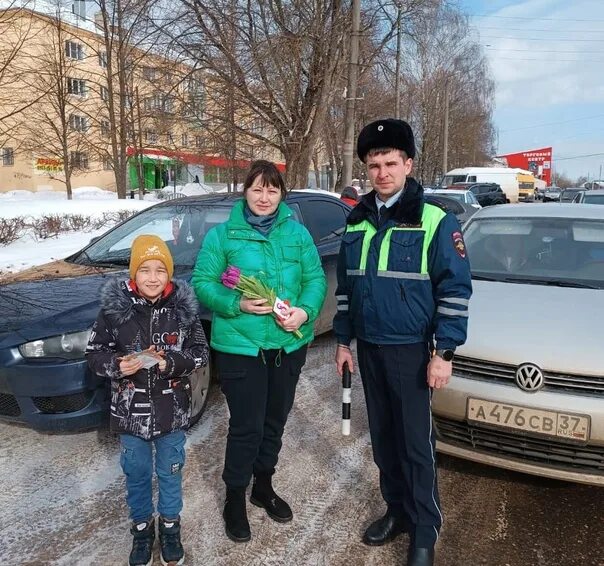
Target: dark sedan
48	310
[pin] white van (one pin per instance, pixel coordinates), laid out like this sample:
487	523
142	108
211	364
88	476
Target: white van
505	177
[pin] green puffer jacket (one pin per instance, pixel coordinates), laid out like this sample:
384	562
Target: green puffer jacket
286	260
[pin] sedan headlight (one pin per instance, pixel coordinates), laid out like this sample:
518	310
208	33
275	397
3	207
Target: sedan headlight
71	346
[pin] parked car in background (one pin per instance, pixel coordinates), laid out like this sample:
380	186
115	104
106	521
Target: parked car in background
48	311
462	211
487	194
514	400
568	195
590	197
504	177
460	195
552	194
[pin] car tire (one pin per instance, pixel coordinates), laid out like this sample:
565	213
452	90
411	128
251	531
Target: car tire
201	386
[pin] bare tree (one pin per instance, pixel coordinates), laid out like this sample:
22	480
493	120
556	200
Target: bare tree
280	58
54	126
444	64
128	41
16	31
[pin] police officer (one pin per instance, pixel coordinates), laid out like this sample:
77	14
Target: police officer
403	291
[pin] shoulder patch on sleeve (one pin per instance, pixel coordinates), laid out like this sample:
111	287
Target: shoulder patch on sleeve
459	244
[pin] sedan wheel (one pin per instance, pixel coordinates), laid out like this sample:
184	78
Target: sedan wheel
201	380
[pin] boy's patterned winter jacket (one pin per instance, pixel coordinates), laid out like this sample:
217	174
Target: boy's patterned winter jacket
148	403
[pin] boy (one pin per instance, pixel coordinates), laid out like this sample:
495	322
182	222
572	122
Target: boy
147	340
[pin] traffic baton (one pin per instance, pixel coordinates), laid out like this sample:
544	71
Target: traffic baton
346	396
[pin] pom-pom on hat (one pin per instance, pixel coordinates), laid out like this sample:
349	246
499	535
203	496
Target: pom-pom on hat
393	133
147	246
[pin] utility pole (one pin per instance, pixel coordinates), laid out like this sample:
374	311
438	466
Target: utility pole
446	130
351	93
397	78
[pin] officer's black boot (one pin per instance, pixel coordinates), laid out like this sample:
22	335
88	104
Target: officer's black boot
235	515
263	495
142	543
172	552
384	530
417	556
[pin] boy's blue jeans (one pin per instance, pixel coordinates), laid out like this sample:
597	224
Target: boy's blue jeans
137	463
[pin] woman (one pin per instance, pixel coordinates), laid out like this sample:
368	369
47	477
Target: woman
258	356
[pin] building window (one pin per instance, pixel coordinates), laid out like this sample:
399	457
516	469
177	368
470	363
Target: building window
151	137
199	141
107	164
76	86
78	123
149	73
74	50
8	156
159	102
104	93
170	137
105	128
79	160
185	140
168	104
103	59
153	102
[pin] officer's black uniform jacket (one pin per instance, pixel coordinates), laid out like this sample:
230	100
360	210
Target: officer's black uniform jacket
406	281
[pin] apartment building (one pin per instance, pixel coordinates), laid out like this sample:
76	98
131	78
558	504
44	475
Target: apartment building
64	113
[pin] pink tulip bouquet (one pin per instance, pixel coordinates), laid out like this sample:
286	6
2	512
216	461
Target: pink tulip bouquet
252	288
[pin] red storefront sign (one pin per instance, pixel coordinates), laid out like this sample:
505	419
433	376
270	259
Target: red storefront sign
197	159
537	161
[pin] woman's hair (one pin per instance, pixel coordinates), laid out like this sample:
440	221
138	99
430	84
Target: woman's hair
270	176
351	193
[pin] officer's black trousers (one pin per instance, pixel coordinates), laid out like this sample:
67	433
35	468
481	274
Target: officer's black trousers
260	393
400	422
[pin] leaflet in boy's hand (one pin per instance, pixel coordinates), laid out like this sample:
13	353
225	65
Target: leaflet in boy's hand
148	360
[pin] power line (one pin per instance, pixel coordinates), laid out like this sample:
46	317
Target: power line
536	18
577	156
543	51
556	61
537	38
543	30
552	123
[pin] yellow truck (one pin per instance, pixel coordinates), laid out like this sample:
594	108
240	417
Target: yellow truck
526	187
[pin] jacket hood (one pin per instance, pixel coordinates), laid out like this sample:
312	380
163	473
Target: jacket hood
407	210
119	301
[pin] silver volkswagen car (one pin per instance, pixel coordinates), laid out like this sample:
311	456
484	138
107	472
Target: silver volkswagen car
527	391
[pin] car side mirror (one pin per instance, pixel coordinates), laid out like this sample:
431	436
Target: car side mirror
93	240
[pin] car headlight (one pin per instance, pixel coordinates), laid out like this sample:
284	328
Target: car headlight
70	346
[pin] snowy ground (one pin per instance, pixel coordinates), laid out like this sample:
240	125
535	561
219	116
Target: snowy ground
62	497
27	251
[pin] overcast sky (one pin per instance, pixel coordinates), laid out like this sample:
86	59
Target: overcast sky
547	59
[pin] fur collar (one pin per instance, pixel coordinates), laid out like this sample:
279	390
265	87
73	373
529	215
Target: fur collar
118	301
407	210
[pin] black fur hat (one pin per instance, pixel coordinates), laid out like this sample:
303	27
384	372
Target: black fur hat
393	133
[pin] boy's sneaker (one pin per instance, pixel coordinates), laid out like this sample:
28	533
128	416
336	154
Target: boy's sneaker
172	553
142	543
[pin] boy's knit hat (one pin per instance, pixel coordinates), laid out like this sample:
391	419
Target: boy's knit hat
147	246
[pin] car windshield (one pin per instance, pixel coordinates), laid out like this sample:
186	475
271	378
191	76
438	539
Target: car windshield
451	179
459	197
181	226
547	251
593	199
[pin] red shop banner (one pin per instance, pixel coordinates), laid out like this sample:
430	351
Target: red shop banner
537	161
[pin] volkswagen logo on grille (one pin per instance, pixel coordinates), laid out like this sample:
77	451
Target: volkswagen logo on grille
529	378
